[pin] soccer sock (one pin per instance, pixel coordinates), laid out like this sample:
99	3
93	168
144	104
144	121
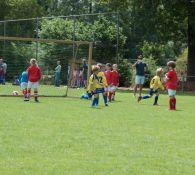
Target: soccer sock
174	102
110	96
95	102
171	103
156	99
28	93
146	97
36	94
113	96
105	99
25	93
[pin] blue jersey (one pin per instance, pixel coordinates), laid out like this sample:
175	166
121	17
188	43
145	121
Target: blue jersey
140	68
24	77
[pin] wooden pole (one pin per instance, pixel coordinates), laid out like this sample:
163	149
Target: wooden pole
90	60
44	40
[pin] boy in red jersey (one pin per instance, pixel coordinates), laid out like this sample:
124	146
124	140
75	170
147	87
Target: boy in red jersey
115	80
34	75
171	84
108	74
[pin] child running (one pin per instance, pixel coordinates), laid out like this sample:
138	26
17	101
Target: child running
108	74
24	84
171	84
34	75
155	86
115	80
97	85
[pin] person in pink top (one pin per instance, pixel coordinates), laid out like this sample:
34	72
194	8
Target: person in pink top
171	84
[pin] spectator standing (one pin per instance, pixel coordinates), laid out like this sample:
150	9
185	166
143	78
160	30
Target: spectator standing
58	74
1	72
140	67
85	72
3	67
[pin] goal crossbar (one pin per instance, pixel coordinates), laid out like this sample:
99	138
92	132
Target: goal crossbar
44	40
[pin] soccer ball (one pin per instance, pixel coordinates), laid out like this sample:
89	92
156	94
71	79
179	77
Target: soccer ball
15	93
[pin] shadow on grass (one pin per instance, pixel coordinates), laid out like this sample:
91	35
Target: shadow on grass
116	101
95	107
185	93
144	104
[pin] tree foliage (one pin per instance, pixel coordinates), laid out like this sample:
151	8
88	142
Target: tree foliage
156	28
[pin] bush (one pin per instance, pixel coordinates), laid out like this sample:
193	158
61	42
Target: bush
47	80
151	69
161	53
182	61
125	71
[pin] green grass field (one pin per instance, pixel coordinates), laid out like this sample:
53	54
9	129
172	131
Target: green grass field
65	136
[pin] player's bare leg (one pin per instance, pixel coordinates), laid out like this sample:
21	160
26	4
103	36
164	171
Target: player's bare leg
135	90
140	90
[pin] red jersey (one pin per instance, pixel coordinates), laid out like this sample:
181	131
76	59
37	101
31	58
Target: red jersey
108	75
115	78
34	73
172	80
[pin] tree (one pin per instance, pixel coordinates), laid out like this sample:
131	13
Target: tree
191	42
102	32
4	7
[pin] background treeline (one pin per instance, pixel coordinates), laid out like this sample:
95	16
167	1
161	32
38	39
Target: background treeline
156	28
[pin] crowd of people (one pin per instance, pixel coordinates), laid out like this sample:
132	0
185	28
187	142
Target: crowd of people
79	78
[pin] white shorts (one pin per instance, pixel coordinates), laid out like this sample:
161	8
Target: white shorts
106	89
23	86
139	79
171	92
33	85
113	88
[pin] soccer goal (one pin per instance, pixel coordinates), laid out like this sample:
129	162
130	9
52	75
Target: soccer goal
50	53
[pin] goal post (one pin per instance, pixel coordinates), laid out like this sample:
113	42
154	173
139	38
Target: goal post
63	92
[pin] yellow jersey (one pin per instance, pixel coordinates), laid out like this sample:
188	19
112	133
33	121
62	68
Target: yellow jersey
97	81
156	83
102	78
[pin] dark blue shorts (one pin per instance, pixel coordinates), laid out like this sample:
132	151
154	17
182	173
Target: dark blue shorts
99	91
153	91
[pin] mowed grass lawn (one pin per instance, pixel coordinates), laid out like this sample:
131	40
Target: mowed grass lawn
64	136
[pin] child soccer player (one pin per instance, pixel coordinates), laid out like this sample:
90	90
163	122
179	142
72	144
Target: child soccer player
34	75
155	86
103	80
24	84
96	85
115	80
171	84
108	74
